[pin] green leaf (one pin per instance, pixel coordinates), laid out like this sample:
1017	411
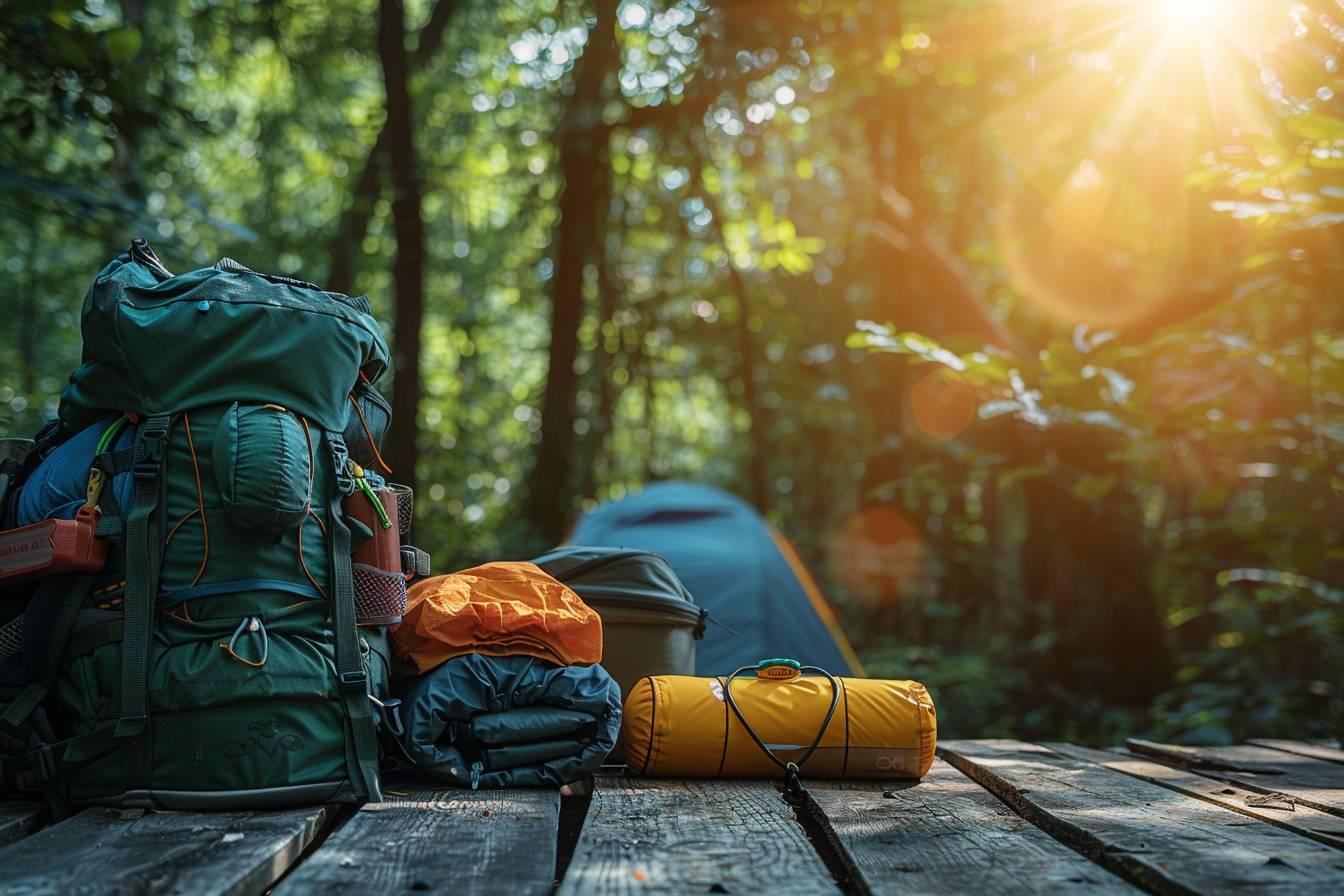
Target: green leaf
1018	474
1211	498
123	44
1316	126
1093	488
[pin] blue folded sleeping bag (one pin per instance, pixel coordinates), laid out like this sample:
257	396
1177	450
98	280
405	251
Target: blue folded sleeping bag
511	721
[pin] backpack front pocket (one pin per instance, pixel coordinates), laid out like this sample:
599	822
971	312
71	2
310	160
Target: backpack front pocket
264	467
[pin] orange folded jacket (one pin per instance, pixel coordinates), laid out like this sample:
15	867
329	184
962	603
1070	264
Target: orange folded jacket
499	609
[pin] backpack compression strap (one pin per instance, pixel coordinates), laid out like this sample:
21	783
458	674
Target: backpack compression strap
361	746
143	556
144	553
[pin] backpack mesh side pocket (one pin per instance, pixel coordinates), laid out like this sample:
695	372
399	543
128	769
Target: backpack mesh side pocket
380	596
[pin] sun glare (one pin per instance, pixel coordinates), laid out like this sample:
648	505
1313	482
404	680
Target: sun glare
1190	13
1097	224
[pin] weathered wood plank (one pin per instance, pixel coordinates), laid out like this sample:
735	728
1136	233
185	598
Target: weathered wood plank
947	835
675	836
107	851
1308	781
18	820
446	841
1302	748
1161	840
1301	819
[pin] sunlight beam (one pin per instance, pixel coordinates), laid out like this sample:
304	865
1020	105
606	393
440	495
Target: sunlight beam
1189	13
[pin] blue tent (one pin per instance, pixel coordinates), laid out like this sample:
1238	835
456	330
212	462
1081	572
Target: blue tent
736	566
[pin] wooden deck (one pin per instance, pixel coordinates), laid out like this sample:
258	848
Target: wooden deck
993	816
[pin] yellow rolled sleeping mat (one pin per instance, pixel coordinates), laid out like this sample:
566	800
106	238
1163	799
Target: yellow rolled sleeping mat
682	726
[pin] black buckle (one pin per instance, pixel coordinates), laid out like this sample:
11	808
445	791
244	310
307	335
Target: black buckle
340	458
149	452
43	764
355	682
414	562
698	632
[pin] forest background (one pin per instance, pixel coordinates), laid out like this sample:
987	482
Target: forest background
1024	320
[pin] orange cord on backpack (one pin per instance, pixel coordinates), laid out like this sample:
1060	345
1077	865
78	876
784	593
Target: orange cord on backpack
308	437
373	446
200	502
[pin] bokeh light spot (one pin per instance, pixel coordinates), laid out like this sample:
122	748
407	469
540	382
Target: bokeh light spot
878	556
942	408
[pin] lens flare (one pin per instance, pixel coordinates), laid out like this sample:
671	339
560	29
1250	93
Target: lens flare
942	408
879	557
1097	223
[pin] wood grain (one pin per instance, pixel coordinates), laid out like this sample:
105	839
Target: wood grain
1161	840
447	841
684	836
947	835
1309	781
1320	826
110	851
18	820
1302	748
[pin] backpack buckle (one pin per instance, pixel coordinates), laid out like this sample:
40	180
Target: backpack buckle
149	451
355	682
340	457
41	768
415	563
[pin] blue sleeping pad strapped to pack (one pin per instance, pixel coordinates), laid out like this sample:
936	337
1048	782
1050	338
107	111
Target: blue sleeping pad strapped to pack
512	721
56	489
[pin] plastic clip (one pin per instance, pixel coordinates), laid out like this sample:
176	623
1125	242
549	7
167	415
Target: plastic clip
149	452
389	711
795	794
355	682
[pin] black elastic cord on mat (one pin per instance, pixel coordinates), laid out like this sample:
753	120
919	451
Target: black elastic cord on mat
795	794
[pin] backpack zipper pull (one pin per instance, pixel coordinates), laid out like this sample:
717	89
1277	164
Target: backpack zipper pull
362	484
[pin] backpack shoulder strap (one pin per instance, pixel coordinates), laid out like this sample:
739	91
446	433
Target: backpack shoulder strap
362	744
144	553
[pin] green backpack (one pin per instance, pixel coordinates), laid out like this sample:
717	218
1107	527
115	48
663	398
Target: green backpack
216	660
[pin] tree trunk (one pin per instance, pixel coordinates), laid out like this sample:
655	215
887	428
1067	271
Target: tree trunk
610	299
550	492
354	223
1088	580
344	248
408	268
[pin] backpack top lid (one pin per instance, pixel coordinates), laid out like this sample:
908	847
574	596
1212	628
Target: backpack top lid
155	343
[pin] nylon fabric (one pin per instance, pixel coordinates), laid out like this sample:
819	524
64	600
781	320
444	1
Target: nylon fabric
679	726
142	339
445	712
218	722
498	609
263	468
